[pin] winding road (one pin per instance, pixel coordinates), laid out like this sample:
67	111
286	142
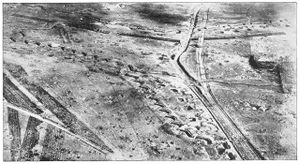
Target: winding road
241	143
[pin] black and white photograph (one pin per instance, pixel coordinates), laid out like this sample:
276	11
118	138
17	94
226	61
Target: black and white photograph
149	81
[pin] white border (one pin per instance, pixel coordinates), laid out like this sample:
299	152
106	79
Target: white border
161	1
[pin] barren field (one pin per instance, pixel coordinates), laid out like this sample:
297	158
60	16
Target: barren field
149	81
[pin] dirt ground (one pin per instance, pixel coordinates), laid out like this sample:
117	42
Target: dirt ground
125	91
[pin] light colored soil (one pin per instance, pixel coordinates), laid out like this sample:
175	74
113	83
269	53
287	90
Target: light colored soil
127	91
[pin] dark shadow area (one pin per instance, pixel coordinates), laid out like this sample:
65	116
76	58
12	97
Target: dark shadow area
261	64
266	12
77	15
81	20
48	8
158	13
35	18
80	16
273	68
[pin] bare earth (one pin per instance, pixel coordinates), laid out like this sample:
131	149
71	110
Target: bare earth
127	96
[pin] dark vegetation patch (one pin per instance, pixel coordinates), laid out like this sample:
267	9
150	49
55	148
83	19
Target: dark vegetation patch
158	13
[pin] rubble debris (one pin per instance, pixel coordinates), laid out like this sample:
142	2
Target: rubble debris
167	128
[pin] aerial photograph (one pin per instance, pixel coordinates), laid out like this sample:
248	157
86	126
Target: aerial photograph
147	81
